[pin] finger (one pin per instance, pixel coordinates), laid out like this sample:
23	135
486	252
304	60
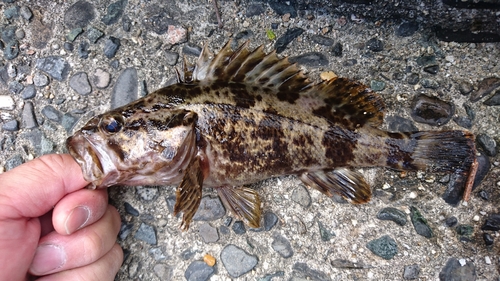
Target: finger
103	269
58	252
79	209
32	189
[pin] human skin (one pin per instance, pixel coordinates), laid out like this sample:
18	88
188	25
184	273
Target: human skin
52	228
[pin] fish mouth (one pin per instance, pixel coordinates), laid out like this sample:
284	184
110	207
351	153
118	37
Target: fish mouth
84	153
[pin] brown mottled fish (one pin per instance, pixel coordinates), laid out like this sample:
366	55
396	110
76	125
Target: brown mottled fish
243	116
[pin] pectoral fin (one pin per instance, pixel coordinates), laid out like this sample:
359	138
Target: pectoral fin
349	184
244	202
189	193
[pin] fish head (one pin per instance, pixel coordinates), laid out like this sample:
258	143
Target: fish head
135	146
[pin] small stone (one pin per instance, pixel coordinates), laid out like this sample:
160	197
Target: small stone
14	161
465	232
93	34
245	262
79	15
484	195
420	223
130	210
68	46
426	60
325	234
255	9
411	272
68	121
11	50
454	271
322	40
126	88
465	87
400	124
227	221
171	58
493	100
377	86
431	110
28	116
413	78
210	209
25	12
191	50
15	87
7	102
487	260
74	33
407	29
209	259
301	196
429	83
83	50
485	87
28	92
40	80
114	12
432	69
111	47
282	246
146	233
270	220
163	271
126	24
176	35
285	39
101	78
198	271
311	59
463	121
492	223
270	276
239	227
488	239
147	193
488	144
51	113
337	50
375	45
208	233
11	126
282	8
302	270
79	82
392	214
384	247
12	12
451	221
56	67
20	34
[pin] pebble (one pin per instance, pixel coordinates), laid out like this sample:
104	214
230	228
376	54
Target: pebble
147	193
432	69
322	40
239	227
413	78
392	214
83	50
463	121
454	271
198	271
270	276
407	29
15	87
79	82
28	116
325	234
11	126
411	272
236	261
429	83
130	209
400	124
163	271
302	270
14	161
188	254
488	239
68	121
126	24
114	12
146	233
209	259
488	144
384	247
484	195
176	35
375	45
210	209
111	47
337	50
300	195
12	12
68	46
311	59
26	12
484	166
51	113
270	220
28	92
11	50
283	7
79	14
285	39
420	223
191	50
492	223
101	78
255	9
377	86
56	67
126	88
485	87
74	33
171	58
20	34
208	233
465	232
451	221
282	246
493	100
431	110
465	87
7	102
426	60
93	34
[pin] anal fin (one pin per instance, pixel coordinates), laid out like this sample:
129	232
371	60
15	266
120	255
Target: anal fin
243	202
189	193
349	184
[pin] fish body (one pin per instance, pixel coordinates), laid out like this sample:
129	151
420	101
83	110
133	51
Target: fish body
244	116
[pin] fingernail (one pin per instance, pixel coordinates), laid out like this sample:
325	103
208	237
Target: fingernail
77	219
47	258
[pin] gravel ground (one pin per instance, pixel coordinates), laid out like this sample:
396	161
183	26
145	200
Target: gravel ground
64	61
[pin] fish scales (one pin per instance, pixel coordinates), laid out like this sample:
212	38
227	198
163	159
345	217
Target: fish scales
243	116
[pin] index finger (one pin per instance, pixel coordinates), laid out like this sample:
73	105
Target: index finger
32	189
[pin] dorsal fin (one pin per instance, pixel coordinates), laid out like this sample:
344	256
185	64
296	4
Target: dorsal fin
339	100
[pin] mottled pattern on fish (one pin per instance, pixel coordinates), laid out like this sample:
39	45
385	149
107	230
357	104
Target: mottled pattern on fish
244	116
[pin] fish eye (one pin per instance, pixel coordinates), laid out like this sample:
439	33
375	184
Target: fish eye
111	124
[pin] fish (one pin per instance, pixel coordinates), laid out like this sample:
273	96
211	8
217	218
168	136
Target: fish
242	116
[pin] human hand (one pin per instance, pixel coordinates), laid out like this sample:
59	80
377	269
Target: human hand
51	227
